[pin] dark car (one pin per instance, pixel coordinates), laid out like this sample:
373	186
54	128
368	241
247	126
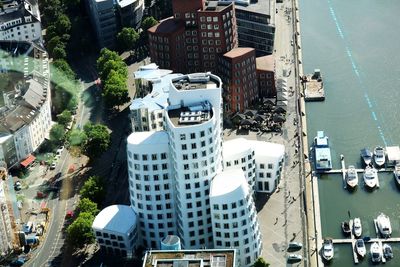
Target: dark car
58	175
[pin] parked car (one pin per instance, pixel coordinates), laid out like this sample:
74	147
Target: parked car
53	166
60	150
17	186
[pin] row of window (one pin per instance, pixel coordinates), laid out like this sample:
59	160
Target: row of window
145	157
146	177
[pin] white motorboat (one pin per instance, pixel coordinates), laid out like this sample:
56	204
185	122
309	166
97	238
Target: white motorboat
387	251
357	228
327	249
352	177
396	173
366	155
370	176
384	226
379	156
360	247
376	252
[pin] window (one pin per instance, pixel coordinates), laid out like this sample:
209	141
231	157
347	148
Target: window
193	145
192	136
163	155
270	166
183	137
144	157
184	147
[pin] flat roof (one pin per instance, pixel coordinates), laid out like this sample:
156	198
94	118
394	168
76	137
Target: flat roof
124	3
179	119
148	138
239	51
195	81
168	25
227	182
266	63
191	258
115	218
261	7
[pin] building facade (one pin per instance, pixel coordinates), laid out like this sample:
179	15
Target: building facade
256	26
20	21
234	216
26	114
192	39
115	230
266	76
130	12
6	231
237	69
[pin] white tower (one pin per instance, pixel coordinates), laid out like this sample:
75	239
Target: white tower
234	216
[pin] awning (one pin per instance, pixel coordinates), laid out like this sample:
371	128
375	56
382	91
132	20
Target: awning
25	163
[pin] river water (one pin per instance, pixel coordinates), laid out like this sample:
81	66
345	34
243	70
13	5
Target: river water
356	45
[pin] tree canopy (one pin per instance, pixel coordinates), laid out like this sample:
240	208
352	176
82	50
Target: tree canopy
57	134
115	91
127	39
98	140
80	231
86	205
260	262
147	23
76	137
93	189
64	118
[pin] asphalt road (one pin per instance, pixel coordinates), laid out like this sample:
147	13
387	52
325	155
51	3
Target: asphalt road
49	253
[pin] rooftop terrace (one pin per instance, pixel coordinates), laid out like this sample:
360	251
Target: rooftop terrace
191	115
190	258
196	81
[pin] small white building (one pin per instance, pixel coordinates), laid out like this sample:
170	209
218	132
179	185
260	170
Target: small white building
260	161
234	216
115	230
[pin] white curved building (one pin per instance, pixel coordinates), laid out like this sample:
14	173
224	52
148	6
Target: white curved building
260	161
115	230
151	186
234	216
193	122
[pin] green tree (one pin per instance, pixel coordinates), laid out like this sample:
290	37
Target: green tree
80	231
105	55
93	189
59	52
62	24
76	137
98	140
64	68
53	43
127	39
64	118
114	65
57	134
147	23
115	90
260	262
86	205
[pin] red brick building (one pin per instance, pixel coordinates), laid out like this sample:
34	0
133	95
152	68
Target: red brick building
237	69
266	76
192	40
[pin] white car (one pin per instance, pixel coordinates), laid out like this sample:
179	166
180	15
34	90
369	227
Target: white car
53	166
60	150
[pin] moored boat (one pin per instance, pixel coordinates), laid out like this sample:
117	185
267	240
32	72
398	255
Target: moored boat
323	160
370	177
327	249
346	228
357	227
352	177
366	155
396	173
387	251
384	225
360	247
379	156
376	252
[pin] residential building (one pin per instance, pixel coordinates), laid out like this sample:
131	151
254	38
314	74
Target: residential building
237	69
266	76
26	112
256	25
199	257
192	39
108	17
7	239
234	216
115	230
20	21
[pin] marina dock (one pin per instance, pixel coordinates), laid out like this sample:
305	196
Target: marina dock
313	87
